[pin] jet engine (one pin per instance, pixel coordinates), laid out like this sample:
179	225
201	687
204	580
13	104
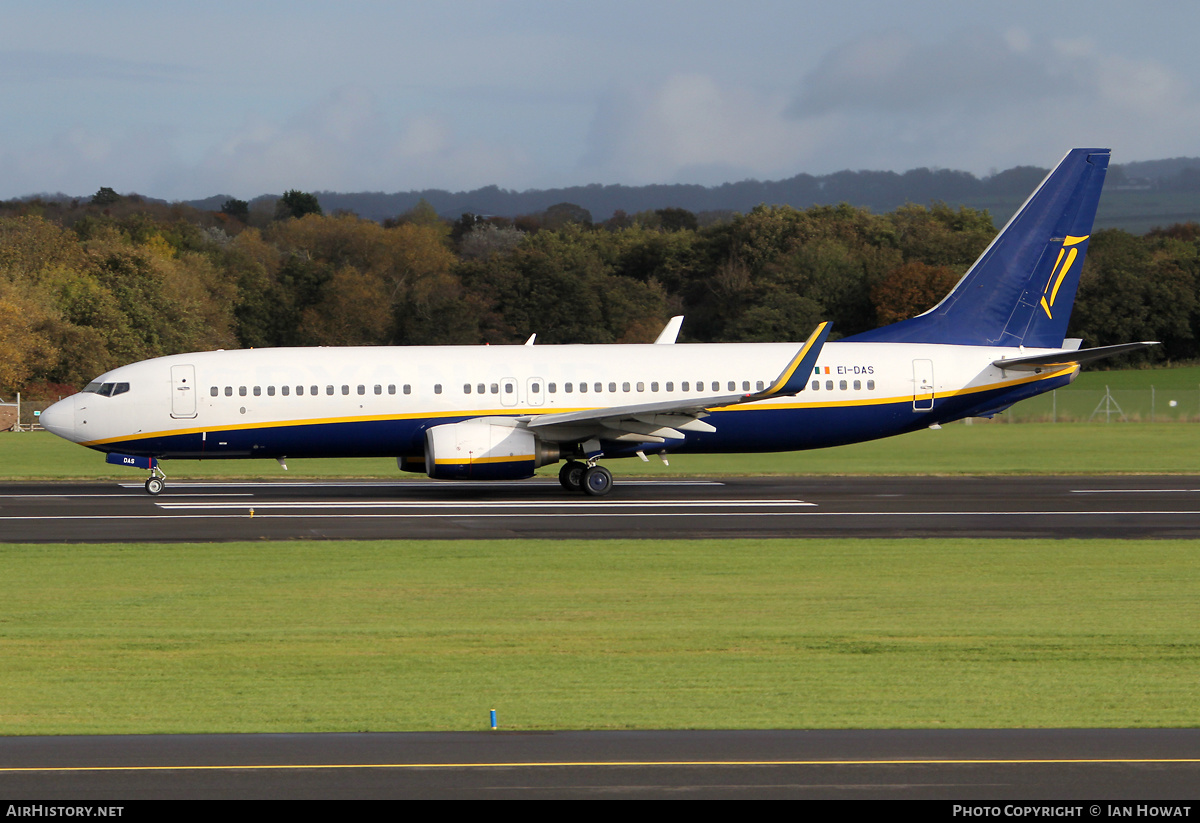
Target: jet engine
485	449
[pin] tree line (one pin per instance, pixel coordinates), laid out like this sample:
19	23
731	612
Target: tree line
87	286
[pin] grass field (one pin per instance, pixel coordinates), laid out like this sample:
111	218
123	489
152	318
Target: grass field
300	636
959	449
345	636
980	449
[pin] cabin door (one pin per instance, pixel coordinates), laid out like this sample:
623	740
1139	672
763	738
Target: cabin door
183	391
508	392
535	391
922	385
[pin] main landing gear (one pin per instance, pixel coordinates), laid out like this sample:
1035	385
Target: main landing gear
590	478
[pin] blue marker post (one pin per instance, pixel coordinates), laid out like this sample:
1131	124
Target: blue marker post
493	720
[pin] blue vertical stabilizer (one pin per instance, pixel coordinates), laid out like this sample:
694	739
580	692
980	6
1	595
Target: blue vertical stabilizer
1021	289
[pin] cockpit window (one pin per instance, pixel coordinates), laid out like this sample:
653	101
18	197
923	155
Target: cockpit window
106	389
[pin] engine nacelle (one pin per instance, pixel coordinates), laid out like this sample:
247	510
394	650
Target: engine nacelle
483	449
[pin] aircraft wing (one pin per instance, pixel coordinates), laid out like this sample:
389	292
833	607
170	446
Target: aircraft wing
1067	357
668	419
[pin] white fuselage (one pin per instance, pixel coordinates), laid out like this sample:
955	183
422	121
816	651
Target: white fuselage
379	400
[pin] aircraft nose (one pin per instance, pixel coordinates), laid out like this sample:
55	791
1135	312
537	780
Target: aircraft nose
60	418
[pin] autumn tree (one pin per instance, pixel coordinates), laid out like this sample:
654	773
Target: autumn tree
297	204
909	290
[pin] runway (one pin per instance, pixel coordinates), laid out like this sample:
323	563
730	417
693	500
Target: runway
1031	507
1072	765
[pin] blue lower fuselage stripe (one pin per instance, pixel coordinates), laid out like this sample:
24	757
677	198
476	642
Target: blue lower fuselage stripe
745	429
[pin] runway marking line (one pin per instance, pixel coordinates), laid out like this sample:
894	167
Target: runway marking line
591	513
447	504
1092	761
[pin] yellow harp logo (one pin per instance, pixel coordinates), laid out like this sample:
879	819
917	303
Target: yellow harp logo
1066	257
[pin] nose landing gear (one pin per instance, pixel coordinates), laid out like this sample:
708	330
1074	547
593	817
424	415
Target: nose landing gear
157	481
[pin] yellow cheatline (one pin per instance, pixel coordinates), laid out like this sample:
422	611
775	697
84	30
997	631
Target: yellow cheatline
522	412
1046	761
517	458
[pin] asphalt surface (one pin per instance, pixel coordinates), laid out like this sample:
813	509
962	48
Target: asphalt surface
1088	766
1033	507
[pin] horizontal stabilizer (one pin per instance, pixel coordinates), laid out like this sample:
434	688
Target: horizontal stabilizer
1067	357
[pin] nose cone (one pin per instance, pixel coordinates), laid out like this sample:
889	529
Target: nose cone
60	419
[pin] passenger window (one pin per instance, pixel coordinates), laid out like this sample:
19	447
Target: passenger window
670	386
816	385
362	390
842	385
495	388
684	386
270	391
828	385
717	386
241	391
760	385
378	389
299	391
391	388
258	391
598	387
654	387
641	386
229	391
870	385
508	388
285	390
313	390
567	387
745	385
481	388
535	388
214	391
552	388
732	386
857	385
437	388
466	388
407	388
613	386
583	388
329	389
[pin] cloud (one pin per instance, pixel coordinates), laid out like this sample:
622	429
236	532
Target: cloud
345	142
894	72
692	128
972	99
980	99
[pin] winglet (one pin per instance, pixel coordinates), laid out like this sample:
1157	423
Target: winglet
670	331
794	378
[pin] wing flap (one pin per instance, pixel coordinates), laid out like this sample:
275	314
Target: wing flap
668	419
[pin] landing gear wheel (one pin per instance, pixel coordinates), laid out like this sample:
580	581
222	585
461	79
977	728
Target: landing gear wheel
597	481
571	476
154	485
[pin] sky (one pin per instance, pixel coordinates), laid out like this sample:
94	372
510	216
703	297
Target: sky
187	100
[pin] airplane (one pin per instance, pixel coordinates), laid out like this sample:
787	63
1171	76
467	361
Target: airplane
501	412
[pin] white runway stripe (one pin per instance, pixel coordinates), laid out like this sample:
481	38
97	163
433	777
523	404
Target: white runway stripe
519	506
